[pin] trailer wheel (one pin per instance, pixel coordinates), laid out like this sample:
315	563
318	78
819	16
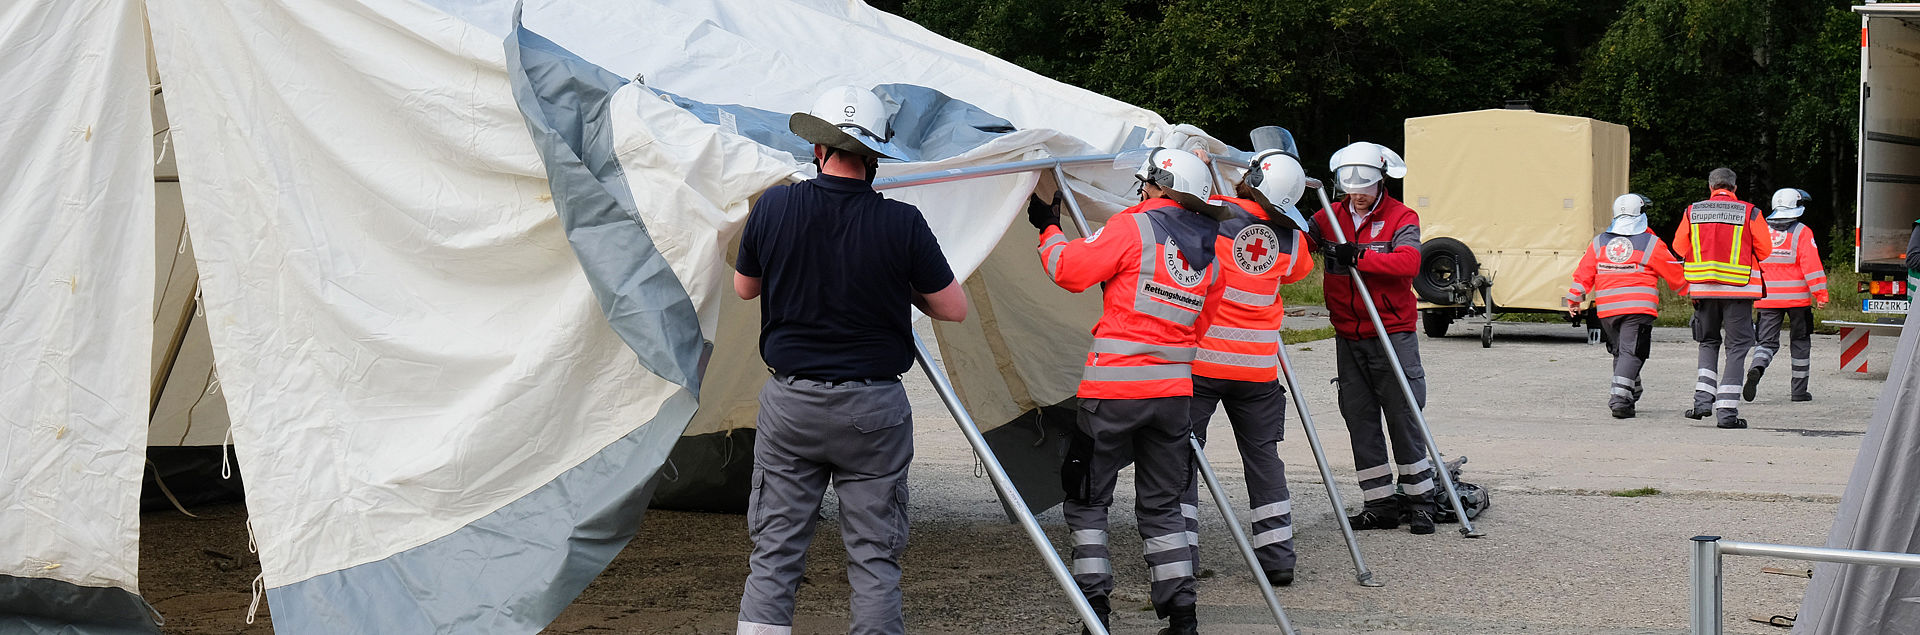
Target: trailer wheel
1445	267
1486	335
1435	322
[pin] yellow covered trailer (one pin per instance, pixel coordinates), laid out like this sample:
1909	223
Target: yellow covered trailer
1508	200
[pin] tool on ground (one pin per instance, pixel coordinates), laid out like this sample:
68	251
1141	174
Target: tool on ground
1400	376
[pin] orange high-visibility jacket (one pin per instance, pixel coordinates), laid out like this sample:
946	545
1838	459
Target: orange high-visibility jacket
1619	272
1794	275
1143	346
1240	330
1722	241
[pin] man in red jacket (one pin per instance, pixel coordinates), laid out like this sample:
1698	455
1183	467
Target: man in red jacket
1722	241
1154	266
1237	364
1620	271
1796	283
1382	243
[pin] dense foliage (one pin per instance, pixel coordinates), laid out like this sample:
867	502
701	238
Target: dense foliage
1766	87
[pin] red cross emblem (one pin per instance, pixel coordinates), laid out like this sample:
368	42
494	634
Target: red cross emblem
1183	260
1266	166
1166	163
1258	249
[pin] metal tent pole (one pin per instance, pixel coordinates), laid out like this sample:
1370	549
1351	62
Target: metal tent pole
1360	572
1199	455
1400	376
1004	485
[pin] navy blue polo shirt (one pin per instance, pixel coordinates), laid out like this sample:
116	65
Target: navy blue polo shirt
838	266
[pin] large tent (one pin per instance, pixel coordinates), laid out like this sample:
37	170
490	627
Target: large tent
462	285
1877	514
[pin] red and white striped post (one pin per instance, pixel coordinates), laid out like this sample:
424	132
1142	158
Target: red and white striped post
1853	349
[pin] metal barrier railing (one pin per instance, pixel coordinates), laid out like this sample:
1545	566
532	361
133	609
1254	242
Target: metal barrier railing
1707	609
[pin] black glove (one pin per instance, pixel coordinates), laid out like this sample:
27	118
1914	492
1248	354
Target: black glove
1346	254
1041	213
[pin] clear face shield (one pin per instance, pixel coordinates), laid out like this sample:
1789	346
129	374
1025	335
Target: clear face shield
1139	161
1359	179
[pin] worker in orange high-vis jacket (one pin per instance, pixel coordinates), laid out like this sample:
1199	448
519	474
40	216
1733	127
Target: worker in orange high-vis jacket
1722	241
1383	244
1796	282
1237	365
1620	272
1155	265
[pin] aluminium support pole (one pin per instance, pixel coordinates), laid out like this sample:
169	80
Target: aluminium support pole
1705	567
1199	455
1008	493
1400	376
1360	572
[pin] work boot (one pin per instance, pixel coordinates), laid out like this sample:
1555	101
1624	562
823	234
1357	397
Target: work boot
1638	389
1103	609
1736	424
1622	412
1280	577
1181	620
1420	523
1753	382
1697	413
1803	397
1374	519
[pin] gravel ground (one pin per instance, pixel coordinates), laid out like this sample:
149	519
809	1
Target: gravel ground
1561	554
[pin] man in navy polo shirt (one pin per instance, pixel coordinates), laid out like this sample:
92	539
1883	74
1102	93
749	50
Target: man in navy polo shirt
836	265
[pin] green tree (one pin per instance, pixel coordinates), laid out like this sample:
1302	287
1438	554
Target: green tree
1767	88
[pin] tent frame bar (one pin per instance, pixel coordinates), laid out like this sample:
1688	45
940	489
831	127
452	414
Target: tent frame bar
1705	566
1004	486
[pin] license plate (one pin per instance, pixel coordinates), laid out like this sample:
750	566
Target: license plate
1871	305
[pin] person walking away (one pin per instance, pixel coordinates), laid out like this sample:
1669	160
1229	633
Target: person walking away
1383	237
1154	264
1796	283
1237	363
1620	271
1722	241
836	266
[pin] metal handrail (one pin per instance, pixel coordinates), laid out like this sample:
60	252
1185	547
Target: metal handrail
1707	609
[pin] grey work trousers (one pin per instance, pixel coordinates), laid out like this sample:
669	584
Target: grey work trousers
859	435
1258	412
1800	337
1152	433
1629	339
1719	386
1368	391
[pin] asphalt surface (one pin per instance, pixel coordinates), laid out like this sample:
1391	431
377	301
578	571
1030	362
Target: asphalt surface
1561	553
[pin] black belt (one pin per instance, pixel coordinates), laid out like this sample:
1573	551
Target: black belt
837	382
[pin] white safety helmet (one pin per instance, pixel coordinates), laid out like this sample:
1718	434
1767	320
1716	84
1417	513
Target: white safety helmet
846	118
1629	215
1176	170
1279	177
1789	203
1362	165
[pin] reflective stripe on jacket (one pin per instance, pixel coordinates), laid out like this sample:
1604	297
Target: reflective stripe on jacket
1722	241
1620	273
1390	233
1143	346
1793	274
1240	331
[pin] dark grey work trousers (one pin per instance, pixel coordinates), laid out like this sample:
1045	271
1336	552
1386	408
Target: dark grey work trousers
1152	434
1258	412
1629	339
1800	337
1719	386
859	436
1368	391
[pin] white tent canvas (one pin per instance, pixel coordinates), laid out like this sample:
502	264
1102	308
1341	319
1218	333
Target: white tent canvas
450	402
